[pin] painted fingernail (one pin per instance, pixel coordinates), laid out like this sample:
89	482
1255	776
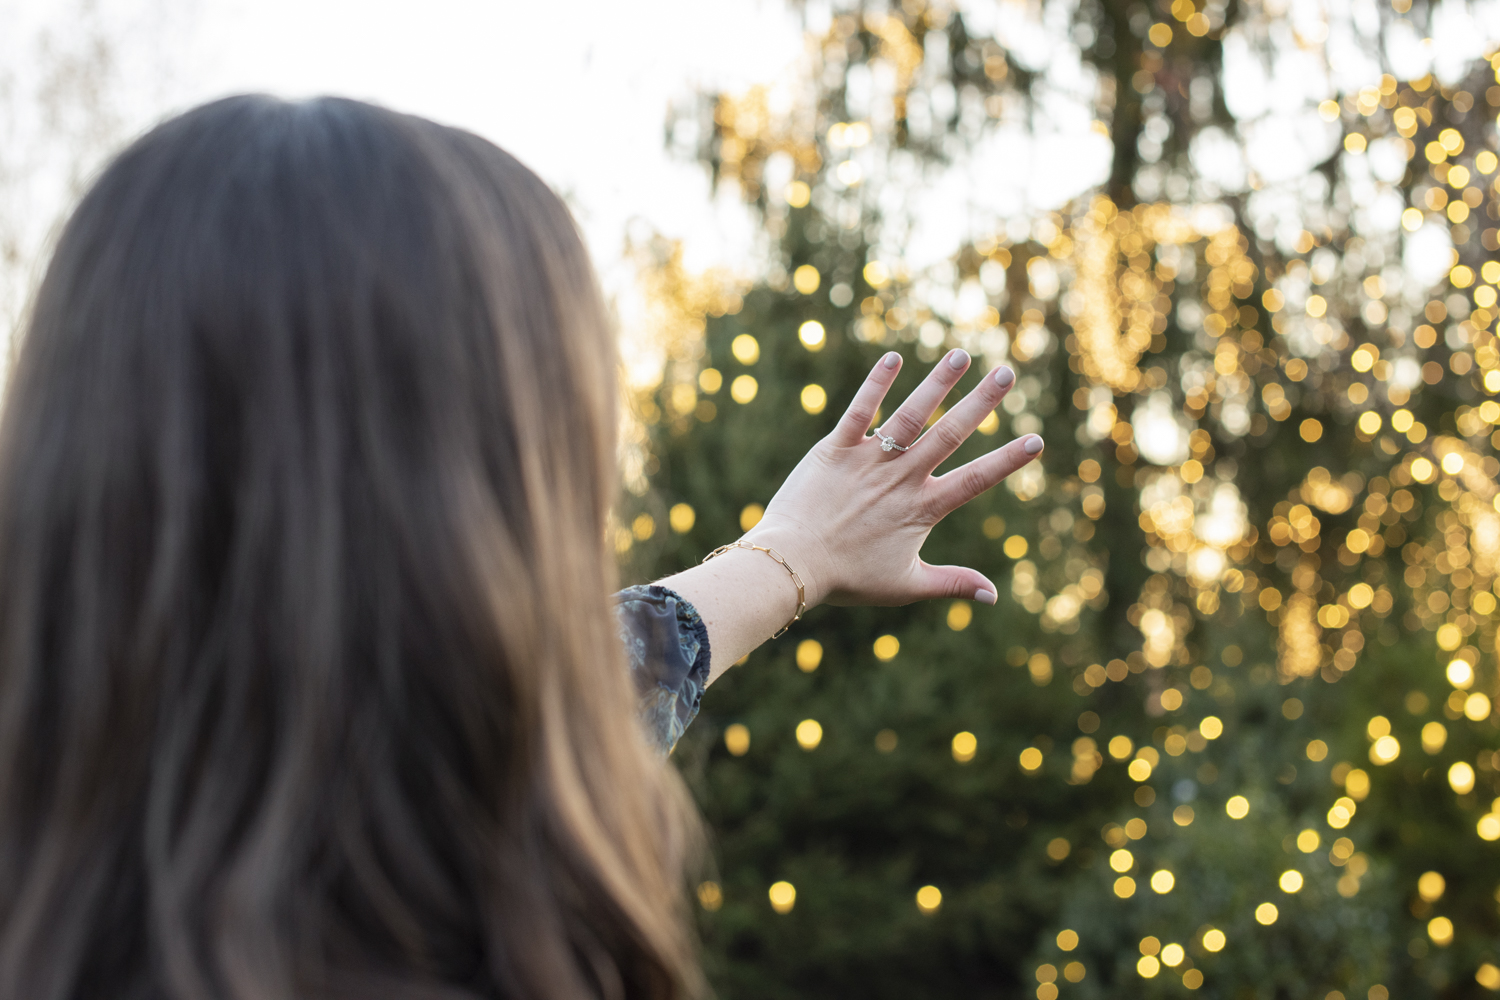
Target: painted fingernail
984	596
1004	376
891	360
958	358
1033	445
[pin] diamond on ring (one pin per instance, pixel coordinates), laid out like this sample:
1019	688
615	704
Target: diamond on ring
888	443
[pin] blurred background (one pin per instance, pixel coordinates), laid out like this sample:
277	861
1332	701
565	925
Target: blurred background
1229	730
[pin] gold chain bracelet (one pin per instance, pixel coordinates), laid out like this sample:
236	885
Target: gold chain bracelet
801	590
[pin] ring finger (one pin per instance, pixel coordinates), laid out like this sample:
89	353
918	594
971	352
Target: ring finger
905	425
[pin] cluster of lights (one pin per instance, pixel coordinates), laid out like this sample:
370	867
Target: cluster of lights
1323	595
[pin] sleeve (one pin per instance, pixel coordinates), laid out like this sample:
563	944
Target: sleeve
666	649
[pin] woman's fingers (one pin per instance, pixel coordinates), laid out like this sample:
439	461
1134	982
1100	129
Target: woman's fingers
861	412
956	488
905	425
955	426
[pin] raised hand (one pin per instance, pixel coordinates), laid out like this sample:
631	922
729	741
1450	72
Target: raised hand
855	511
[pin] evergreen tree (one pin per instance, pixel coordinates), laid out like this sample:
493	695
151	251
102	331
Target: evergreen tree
1229	730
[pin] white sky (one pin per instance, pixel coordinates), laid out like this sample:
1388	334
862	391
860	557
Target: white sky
578	89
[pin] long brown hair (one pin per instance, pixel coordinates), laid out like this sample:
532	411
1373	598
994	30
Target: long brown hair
308	680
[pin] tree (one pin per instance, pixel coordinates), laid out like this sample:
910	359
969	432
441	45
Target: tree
1230	730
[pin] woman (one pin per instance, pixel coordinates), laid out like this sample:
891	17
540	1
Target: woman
309	680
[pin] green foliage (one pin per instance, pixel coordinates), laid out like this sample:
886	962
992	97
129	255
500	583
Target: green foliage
1277	645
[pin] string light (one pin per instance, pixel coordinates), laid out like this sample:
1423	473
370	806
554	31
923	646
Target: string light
1324	346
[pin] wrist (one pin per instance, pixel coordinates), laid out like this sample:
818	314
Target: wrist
802	552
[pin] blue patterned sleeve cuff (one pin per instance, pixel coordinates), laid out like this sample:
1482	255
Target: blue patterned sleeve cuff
666	648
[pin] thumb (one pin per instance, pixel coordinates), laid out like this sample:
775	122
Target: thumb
957	582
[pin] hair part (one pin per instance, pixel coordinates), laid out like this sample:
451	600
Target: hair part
308	680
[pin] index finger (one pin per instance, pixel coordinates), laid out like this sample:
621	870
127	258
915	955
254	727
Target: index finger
857	419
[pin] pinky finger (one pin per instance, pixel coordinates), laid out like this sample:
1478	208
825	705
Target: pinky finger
861	413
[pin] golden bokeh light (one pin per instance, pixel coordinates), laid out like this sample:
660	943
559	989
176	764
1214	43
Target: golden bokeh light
737	739
929	899
809	734
886	647
964	745
681	518
710	896
743	389
1431	886
806	279
1434	737
746	349
1384	750
809	655
1460	674
783	896
812	335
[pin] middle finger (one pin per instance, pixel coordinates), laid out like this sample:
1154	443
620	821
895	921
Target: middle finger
905	425
964	418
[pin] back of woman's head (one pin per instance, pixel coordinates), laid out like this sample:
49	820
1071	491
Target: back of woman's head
308	685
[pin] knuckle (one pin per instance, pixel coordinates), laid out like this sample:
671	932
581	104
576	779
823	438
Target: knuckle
950	435
860	414
972	482
903	427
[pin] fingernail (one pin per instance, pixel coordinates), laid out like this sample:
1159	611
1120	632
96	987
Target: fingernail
1004	376
891	360
958	358
984	596
1033	445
